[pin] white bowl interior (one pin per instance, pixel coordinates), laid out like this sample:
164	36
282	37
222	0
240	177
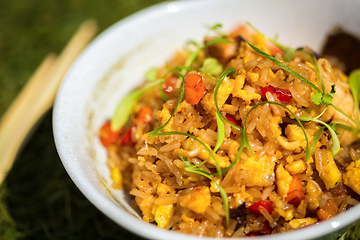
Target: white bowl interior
115	63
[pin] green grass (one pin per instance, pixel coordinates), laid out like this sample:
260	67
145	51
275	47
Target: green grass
38	200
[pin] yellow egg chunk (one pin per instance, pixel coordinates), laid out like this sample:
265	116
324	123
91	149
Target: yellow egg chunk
352	176
116	177
255	171
224	92
198	200
283	181
328	170
298	223
163	214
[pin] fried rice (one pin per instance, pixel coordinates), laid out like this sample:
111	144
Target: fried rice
258	178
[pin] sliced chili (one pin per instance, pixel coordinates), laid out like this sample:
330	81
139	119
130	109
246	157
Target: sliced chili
267	204
127	138
283	95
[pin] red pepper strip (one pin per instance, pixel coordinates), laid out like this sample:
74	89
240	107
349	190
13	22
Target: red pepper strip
267	204
233	120
169	85
127	138
107	136
283	95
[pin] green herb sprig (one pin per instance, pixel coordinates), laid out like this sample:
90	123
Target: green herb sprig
125	107
287	51
354	83
320	97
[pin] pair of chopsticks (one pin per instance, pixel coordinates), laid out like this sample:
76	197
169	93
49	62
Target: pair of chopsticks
38	96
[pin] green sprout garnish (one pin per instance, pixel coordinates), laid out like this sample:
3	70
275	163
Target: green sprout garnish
212	66
288	51
221	131
317	71
345	127
316	140
354	83
125	107
284	67
216	28
151	74
212	154
336	143
319	97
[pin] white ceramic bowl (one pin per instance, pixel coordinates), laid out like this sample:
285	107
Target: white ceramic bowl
115	62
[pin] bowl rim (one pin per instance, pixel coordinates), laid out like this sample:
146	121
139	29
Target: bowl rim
109	207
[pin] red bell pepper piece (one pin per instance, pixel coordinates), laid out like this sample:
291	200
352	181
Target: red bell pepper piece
283	95
107	136
267	204
127	138
233	120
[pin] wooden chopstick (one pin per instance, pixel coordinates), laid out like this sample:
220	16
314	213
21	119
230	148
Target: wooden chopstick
37	97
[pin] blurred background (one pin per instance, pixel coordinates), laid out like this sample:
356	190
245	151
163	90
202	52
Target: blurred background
38	200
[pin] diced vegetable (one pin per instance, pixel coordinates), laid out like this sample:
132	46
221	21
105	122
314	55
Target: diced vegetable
194	88
107	136
169	85
267	204
283	95
233	120
127	138
328	211
296	192
145	115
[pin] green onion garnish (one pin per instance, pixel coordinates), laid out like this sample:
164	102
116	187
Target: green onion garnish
125	107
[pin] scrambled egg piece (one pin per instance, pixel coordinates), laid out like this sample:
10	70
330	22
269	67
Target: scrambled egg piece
163	214
224	91
296	167
163	117
274	126
294	133
313	194
328	171
298	223
283	181
238	86
352	176
239	92
247	97
116	177
252	76
256	171
198	200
